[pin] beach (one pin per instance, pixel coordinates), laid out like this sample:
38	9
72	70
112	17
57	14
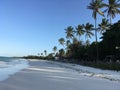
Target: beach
44	75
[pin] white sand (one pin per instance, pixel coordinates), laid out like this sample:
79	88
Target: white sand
92	72
42	75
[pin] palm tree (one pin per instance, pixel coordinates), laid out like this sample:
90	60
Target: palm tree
41	54
75	41
104	25
54	49
61	53
87	43
95	6
113	8
68	43
45	52
88	28
62	41
69	32
79	31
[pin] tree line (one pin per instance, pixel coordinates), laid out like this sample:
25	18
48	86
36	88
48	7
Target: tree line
93	53
74	47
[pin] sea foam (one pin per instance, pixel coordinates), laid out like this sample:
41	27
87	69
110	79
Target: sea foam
9	66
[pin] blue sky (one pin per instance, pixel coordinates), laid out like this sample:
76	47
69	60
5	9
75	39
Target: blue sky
32	26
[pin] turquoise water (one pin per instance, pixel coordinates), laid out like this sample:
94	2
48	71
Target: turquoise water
6	59
9	66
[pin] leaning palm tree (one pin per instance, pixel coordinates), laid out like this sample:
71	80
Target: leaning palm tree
95	6
88	31
113	8
62	41
69	32
79	31
104	25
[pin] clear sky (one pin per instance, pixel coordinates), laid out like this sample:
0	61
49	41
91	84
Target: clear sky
32	26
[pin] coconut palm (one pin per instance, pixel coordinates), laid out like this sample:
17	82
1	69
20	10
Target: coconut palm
79	31
54	49
95	6
113	8
61	53
75	41
104	25
62	41
88	30
87	42
68	43
69	32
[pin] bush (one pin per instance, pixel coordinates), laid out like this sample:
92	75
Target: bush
103	65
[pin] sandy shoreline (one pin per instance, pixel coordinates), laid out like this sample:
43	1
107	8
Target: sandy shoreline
44	76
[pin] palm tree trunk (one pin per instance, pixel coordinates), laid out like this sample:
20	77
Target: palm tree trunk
87	41
96	40
79	38
110	20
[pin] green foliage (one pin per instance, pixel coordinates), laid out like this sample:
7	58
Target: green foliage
61	53
94	52
87	53
95	6
54	49
79	30
103	26
102	65
88	28
62	41
113	8
50	56
45	51
69	32
111	40
33	57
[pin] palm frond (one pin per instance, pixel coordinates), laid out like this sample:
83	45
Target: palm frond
101	13
117	11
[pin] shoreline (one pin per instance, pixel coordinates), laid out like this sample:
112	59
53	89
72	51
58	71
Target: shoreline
41	75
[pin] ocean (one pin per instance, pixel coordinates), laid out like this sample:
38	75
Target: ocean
9	66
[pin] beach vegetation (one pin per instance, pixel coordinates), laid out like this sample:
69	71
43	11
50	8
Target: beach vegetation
104	53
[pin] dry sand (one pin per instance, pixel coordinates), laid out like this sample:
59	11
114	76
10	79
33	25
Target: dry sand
45	76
